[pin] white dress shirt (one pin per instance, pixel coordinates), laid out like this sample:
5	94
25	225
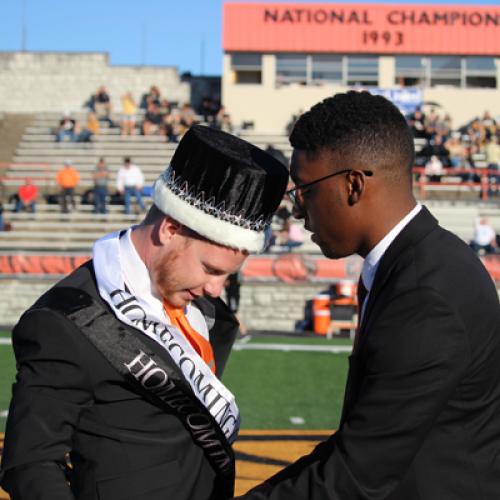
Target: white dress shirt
372	260
129	177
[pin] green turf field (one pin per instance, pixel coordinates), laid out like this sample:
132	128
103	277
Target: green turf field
280	339
270	386
7	374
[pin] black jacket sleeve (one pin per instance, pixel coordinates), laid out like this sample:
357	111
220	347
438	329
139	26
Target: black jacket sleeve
417	354
52	388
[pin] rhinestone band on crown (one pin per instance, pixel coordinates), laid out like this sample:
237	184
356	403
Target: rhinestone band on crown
180	188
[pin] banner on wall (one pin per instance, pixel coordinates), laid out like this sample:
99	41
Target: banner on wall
362	28
287	268
406	99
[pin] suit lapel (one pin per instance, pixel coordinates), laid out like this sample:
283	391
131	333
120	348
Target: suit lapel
421	225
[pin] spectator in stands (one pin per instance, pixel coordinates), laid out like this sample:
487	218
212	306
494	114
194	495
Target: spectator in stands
27	196
416	121
284	211
434	169
101	179
470	164
165	107
151	97
171	126
294	235
68	129
102	105
129	111
232	288
278	230
492	153
67	180
476	131
456	150
91	128
223	121
2	223
129	182
187	118
488	122
445	126
152	120
207	109
436	148
431	123
484	239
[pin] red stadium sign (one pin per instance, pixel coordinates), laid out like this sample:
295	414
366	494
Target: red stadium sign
362	28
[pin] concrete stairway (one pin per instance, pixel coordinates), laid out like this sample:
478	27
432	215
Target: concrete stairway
459	217
12	128
40	157
50	230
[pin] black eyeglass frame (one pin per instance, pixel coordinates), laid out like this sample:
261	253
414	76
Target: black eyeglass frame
292	193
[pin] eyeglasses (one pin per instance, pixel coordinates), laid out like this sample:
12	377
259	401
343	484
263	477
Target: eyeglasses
292	193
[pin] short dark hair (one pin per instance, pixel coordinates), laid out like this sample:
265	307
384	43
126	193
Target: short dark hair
126	159
364	127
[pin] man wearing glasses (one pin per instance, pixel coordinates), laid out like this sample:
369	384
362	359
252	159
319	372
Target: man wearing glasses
422	403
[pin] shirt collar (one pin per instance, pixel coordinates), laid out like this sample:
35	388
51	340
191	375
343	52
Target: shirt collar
372	260
136	273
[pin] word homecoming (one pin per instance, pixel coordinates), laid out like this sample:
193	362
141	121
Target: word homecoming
395	17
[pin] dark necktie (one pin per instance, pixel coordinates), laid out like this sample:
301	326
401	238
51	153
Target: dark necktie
362	292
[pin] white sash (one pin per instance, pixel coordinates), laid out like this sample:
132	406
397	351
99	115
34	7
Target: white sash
146	313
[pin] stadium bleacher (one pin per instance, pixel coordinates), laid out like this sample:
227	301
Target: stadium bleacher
48	231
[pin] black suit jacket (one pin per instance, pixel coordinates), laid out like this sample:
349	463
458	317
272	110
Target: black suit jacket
421	417
69	399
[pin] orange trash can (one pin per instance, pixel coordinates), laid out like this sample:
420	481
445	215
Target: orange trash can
321	313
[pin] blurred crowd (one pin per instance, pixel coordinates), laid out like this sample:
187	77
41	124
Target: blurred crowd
128	186
152	114
473	146
442	150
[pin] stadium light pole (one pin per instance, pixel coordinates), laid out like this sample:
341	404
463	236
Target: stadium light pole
202	55
144	45
23	27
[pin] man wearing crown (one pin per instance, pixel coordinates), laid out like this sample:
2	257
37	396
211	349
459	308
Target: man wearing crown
118	392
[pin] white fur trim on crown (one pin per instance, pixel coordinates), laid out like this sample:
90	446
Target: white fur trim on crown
212	228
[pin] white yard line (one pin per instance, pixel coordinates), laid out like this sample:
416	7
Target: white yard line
292	347
246	345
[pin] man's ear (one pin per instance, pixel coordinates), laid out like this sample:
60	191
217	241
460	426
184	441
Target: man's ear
167	228
356	186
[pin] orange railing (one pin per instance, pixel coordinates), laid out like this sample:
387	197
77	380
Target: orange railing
289	268
484	186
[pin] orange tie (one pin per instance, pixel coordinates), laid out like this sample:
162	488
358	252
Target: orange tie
199	343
